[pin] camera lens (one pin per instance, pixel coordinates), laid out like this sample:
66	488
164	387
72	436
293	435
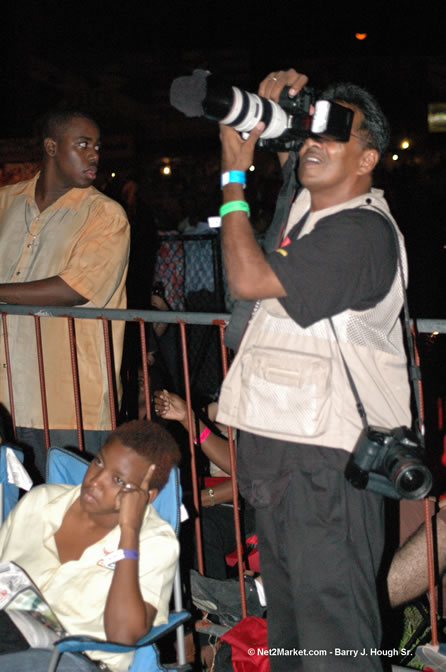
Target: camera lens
248	109
412	481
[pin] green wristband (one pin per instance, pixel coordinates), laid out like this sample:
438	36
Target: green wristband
234	206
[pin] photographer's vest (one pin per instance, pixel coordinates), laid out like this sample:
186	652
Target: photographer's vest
289	383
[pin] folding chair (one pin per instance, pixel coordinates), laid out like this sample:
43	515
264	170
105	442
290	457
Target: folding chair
9	492
64	466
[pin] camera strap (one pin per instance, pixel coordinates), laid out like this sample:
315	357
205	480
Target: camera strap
414	369
359	405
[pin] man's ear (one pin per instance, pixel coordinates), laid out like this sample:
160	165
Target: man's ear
369	159
151	495
50	146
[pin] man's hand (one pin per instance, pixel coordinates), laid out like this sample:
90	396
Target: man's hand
271	87
132	502
238	154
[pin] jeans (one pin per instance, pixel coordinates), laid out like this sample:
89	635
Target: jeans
38	660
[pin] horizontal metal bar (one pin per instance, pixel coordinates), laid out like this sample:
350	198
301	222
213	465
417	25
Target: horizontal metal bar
169	316
424	325
429	326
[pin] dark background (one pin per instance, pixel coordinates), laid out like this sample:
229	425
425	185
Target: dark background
118	60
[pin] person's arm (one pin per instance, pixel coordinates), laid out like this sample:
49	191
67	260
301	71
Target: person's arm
172	407
222	494
408	576
47	292
249	274
127	617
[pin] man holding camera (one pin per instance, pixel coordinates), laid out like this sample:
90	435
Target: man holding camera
330	284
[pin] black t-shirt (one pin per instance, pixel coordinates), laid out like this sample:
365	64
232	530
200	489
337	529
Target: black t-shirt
348	261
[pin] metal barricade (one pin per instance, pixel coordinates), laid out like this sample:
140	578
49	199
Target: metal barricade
106	316
183	320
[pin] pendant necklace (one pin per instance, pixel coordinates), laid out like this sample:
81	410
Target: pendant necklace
34	235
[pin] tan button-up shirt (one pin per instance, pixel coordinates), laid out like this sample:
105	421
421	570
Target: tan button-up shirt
83	238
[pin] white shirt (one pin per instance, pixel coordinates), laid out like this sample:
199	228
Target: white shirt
77	590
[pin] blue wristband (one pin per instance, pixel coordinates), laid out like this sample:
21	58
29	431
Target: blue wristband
233	176
111	559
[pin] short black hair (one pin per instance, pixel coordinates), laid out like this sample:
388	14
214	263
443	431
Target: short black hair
374	124
56	122
153	443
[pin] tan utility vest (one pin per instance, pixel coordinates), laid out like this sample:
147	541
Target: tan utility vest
289	383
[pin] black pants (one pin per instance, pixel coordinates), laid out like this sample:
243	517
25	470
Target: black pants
218	534
320	544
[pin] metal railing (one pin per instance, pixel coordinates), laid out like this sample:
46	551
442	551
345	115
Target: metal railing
182	320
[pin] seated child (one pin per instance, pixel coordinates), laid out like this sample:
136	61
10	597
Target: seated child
61	535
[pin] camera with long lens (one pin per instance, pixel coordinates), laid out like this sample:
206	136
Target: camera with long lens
287	123
390	463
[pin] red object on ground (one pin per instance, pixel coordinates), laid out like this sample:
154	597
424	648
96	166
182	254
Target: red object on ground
249	645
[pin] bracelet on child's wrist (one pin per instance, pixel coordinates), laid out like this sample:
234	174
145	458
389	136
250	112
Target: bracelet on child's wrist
120	554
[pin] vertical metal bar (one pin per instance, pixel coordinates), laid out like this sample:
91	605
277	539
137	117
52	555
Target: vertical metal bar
9	374
190	422
178	604
238	538
145	368
218	273
427	515
46	432
108	361
76	387
431	571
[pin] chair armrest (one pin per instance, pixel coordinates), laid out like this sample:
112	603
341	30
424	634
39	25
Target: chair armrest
78	643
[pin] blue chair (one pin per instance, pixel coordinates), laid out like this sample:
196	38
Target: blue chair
9	493
64	466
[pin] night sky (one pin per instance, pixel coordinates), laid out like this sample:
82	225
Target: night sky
87	37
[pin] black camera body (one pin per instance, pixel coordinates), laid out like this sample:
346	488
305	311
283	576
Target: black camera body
287	123
390	463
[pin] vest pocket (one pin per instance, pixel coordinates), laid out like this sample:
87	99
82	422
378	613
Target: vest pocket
285	392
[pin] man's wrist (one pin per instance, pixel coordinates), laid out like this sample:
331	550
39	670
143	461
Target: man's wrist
233	177
234	206
232	192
